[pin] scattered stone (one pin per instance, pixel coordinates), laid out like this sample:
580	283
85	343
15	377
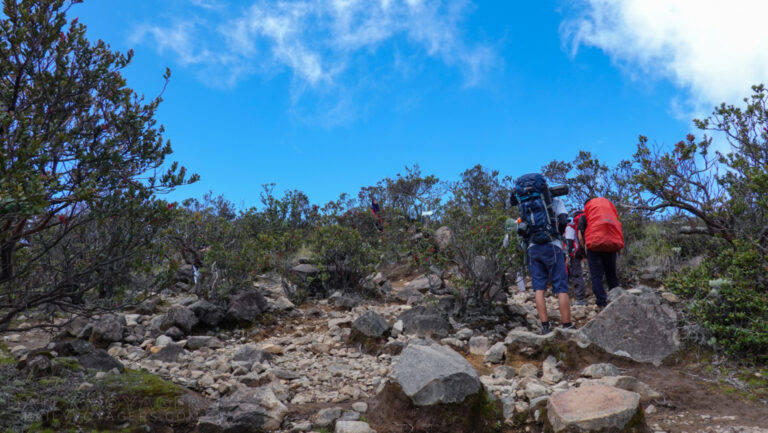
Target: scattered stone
424	283
504	372
431	374
629	383
85	386
631	325
180	317
670	297
99	359
246	410
208	313
528	370
479	344
495	355
353	427
163	341
107	330
600	370
371	324
169	353
326	417
533	390
650	410
465	334
251	353
147	307
592	409
197	341
425	322
245	307
549	372
349	415
274	349
360	406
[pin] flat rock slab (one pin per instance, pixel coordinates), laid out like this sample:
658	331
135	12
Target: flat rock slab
637	328
592	408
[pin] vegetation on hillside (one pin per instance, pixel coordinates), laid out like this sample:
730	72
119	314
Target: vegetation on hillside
82	227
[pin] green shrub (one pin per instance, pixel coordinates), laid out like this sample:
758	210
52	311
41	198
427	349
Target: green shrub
729	299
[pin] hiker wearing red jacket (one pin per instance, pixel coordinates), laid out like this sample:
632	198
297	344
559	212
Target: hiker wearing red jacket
601	235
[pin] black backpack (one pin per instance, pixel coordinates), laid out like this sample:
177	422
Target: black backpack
533	197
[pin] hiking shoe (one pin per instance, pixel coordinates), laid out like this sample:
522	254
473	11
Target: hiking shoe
580	302
568	326
546	328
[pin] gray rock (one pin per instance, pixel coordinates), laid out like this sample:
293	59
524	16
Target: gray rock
245	307
628	383
343	302
600	370
349	415
615	293
73	347
465	334
432	374
424	283
504	372
250	353
592	408
180	317
108	329
326	417
147	307
169	353
406	293
353	427
479	344
175	333
443	237
185	274
549	372
208	313
495	355
198	341
360	406
163	341
305	270
247	410
528	370
534	389
630	325
371	324
100	360
425	321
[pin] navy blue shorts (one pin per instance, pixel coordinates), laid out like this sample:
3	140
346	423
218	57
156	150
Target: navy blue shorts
546	262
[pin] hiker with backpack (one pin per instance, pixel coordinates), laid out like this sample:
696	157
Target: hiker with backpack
576	255
601	234
543	218
376	211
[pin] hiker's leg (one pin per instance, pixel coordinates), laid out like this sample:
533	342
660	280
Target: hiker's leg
539	274
560	284
564	303
610	270
596	276
577	275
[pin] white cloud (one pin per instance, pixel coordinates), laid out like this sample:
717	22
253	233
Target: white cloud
713	49
319	41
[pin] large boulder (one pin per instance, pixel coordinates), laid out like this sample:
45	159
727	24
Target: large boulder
443	237
245	307
635	327
208	313
371	324
100	360
180	317
433	374
425	321
247	410
595	408
108	329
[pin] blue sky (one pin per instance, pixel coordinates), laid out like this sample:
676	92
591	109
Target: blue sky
329	96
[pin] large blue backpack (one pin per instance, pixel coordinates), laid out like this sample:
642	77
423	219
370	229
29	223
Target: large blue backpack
535	203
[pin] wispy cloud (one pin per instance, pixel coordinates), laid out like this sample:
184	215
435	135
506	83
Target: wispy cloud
712	49
321	43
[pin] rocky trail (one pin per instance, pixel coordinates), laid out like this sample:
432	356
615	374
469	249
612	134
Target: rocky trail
401	365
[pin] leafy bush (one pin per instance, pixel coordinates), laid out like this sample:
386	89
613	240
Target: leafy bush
343	257
730	301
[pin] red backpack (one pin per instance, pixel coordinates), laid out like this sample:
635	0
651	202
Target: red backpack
603	232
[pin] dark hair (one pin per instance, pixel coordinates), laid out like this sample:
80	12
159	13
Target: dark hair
585	203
